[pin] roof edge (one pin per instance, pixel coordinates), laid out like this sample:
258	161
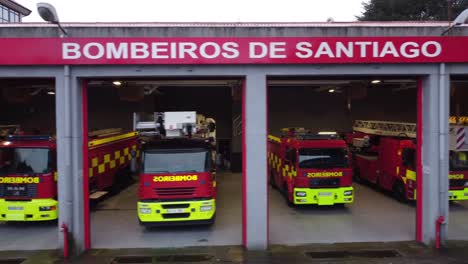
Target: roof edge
15	6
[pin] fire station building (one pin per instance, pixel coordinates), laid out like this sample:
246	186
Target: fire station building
251	58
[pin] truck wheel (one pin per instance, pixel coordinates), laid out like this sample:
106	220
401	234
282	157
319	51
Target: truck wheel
399	192
289	200
272	181
357	176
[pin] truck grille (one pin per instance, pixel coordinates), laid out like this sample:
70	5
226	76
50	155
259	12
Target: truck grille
18	190
175	191
457	183
329	182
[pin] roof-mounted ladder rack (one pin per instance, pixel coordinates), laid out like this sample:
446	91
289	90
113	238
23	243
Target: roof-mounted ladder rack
385	128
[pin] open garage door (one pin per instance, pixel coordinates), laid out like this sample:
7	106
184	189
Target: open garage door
342	159
28	168
177	194
458	163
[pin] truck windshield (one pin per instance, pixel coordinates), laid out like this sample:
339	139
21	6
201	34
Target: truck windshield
172	162
323	158
458	160
25	160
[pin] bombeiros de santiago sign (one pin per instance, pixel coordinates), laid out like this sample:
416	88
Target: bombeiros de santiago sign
255	50
268	50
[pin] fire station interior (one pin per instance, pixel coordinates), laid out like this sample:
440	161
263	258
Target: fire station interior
27	108
326	110
458	167
123	104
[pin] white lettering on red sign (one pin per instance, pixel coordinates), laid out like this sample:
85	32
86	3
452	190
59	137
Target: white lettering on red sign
212	50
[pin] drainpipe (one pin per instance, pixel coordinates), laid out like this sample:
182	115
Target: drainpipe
443	155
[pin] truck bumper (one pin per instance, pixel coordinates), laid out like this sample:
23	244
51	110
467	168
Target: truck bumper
458	195
324	196
180	212
34	210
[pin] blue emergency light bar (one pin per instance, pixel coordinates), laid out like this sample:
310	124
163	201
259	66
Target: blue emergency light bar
28	138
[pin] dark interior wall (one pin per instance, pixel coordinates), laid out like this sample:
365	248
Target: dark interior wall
107	110
324	111
37	114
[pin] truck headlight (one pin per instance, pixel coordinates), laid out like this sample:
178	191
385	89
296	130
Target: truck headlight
47	208
145	210
301	194
206	208
348	193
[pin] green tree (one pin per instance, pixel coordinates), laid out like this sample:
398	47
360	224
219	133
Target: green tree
410	10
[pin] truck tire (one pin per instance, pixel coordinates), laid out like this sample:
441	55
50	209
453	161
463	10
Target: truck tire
289	202
357	176
272	180
399	192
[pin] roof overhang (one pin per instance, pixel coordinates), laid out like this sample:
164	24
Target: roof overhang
15	6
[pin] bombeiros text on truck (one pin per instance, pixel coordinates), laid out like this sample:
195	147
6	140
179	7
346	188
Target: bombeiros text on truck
177	177
310	168
384	154
28	171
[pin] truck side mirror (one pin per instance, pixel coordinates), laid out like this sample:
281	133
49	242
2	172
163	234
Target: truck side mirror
211	127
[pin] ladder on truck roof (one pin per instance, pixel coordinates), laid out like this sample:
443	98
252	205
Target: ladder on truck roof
385	128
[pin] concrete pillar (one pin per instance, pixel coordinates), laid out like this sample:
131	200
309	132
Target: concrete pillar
64	160
76	178
255	178
434	154
444	115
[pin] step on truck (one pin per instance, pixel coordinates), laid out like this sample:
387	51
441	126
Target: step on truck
310	168
28	172
177	173
384	154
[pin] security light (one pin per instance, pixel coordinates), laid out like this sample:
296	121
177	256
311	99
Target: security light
376	81
51	92
117	83
331	90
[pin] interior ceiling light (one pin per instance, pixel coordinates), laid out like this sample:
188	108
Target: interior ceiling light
327	133
331	90
51	92
117	83
376	81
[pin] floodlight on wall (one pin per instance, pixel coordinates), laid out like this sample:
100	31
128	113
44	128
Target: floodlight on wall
49	14
461	19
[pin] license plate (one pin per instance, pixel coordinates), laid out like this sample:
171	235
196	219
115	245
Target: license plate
175	211
15	208
325	194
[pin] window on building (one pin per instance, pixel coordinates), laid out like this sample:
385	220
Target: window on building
8	15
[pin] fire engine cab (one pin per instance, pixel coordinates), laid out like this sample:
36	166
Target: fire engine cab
178	176
28	171
310	168
384	154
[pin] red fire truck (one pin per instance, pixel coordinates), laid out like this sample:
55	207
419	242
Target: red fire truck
28	172
177	178
310	168
384	154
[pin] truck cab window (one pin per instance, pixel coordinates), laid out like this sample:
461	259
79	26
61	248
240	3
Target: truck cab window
458	160
409	158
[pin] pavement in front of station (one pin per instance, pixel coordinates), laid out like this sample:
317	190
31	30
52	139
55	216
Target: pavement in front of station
348	253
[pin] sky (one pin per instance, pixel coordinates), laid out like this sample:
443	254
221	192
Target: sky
199	10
